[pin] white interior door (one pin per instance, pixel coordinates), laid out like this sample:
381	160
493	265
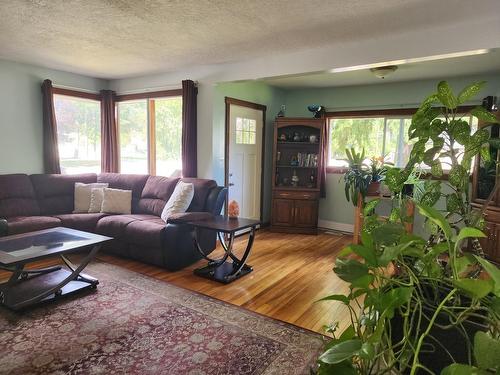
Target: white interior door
245	159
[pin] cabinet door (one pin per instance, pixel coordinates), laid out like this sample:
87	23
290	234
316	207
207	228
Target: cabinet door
490	244
306	213
282	212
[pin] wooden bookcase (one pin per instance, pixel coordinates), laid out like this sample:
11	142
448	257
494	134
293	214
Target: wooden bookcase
483	182
297	162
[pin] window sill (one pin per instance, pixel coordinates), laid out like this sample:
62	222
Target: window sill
342	170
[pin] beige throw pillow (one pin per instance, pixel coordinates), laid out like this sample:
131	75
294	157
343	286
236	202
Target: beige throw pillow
96	198
179	201
116	201
82	195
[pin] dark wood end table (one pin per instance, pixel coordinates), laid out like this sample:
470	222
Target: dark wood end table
27	287
222	270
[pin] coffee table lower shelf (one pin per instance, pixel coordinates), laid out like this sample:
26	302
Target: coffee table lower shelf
26	292
223	273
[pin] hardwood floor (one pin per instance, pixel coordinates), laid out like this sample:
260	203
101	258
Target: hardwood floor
291	272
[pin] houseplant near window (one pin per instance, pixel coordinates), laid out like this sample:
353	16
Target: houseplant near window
413	299
362	179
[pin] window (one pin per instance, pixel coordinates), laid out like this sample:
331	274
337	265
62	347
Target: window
150	135
78	134
246	131
385	136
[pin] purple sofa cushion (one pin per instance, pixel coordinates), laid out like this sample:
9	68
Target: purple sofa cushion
147	233
85	222
201	189
22	224
55	192
115	225
134	182
155	194
17	196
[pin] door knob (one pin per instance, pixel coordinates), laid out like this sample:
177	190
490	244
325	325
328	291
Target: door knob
230	184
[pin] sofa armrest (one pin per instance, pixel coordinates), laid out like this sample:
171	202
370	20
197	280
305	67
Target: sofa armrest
189	216
216	199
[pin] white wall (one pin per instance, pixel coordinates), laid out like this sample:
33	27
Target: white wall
21	112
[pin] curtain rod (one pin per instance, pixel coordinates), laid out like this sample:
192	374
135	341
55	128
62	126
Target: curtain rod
152	89
76	89
387	106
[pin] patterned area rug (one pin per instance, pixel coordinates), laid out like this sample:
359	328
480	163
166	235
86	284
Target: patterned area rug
137	325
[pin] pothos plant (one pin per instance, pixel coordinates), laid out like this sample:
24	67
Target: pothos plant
405	289
401	292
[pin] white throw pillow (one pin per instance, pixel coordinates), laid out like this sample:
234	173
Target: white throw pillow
82	195
116	201
96	198
179	201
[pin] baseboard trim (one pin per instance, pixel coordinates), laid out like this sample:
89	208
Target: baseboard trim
334	225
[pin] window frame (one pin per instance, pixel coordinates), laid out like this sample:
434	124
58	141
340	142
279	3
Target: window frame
385	113
87	95
150	97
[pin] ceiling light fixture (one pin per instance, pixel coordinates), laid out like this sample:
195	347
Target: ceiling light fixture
411	60
383	71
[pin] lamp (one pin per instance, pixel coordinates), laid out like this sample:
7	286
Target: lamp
383	71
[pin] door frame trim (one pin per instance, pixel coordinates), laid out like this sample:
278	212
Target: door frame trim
243	103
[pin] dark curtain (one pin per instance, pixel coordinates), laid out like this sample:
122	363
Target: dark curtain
109	136
324	151
189	144
50	147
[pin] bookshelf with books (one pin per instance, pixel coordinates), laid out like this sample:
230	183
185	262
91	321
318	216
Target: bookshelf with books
297	159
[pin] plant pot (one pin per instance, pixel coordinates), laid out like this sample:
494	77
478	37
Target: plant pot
373	189
440	341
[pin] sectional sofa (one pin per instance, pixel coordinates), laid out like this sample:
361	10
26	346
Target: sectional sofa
41	201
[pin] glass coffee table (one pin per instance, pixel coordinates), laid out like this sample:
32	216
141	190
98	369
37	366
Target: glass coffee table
27	287
222	270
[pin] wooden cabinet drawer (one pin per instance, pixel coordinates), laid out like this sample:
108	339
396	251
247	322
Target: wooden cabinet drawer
286	194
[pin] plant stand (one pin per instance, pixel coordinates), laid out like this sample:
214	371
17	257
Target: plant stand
359	217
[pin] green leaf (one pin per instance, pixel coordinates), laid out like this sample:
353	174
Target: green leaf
445	95
468	232
474	287
460	130
494	273
350	269
388	233
458	176
367	253
470	91
482	114
463	263
486	351
485	153
392	252
370	206
459	369
453	203
437	218
436	168
336	297
362	282
341	352
343	368
367	351
366	238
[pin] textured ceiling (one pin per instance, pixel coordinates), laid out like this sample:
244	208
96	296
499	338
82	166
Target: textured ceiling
437	69
121	38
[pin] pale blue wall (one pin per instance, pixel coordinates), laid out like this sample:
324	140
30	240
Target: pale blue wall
256	92
335	208
21	112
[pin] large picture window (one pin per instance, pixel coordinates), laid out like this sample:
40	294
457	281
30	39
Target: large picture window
380	136
150	135
78	134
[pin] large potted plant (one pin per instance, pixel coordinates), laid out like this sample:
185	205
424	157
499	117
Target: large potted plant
412	298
